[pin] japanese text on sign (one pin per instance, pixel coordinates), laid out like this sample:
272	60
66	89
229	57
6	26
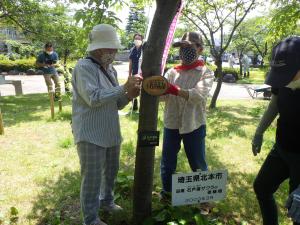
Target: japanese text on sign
197	187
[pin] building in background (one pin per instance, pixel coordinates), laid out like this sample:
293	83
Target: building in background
10	33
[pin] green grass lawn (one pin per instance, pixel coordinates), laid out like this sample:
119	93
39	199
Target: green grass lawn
257	76
39	167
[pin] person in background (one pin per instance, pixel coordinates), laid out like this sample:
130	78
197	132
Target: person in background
47	62
283	161
97	97
185	110
134	58
246	65
260	60
231	60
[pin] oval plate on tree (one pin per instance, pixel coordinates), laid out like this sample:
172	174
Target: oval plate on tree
155	85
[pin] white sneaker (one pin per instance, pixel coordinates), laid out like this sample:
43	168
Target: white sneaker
112	208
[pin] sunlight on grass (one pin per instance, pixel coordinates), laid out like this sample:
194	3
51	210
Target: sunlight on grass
257	76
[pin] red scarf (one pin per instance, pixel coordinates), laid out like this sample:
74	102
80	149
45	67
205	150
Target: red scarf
190	66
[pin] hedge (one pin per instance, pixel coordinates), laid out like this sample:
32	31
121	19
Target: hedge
22	65
234	71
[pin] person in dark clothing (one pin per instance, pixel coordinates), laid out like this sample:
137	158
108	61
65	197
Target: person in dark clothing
134	61
283	162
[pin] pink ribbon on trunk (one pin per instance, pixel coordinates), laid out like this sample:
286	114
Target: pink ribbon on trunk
170	36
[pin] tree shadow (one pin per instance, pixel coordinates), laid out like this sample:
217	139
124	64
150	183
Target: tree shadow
58	201
227	120
17	109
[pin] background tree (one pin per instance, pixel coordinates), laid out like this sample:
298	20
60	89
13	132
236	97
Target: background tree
240	45
136	23
256	30
58	27
285	20
217	20
19	12
96	12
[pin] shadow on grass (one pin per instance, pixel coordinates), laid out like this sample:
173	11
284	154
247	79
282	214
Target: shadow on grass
227	120
58	201
17	109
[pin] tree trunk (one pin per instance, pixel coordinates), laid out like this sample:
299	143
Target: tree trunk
241	67
152	56
66	54
213	102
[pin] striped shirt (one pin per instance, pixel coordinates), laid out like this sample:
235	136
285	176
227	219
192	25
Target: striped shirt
188	115
95	105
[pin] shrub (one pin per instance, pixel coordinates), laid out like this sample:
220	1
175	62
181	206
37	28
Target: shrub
233	71
3	57
21	65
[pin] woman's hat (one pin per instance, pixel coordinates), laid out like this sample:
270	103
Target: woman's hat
285	62
103	36
189	38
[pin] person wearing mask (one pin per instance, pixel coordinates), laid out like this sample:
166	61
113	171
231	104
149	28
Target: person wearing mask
185	106
283	161
134	61
246	65
231	60
47	62
97	97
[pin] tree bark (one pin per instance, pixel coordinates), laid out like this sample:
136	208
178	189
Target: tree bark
66	54
213	102
151	65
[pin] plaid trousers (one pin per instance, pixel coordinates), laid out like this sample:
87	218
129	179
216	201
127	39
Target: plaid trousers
99	168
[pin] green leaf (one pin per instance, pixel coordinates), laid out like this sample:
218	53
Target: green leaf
172	223
149	221
183	222
14	211
200	220
161	216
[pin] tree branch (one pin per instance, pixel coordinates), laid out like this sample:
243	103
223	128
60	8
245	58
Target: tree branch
198	27
236	24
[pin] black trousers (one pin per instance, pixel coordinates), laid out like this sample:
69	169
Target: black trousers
278	166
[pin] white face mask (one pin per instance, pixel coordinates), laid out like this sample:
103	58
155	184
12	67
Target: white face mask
108	58
137	43
294	84
49	53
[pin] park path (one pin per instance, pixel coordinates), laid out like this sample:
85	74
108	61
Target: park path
36	84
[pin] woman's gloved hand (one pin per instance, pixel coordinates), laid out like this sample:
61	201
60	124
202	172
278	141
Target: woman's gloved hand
172	89
257	143
293	205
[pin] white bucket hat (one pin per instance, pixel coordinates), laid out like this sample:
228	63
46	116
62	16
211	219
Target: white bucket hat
103	36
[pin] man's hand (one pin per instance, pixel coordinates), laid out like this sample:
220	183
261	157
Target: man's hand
293	205
257	143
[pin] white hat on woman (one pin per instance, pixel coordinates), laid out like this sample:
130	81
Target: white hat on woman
103	36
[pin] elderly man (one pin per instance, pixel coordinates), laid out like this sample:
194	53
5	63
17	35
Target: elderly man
97	97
